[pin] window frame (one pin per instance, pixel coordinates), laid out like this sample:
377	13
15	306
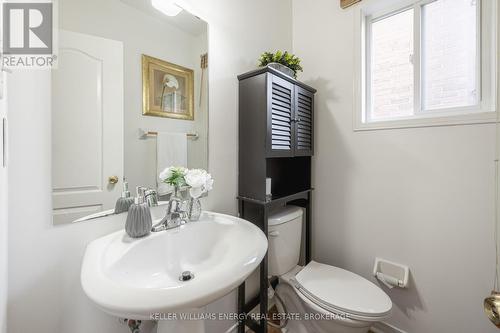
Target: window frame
486	63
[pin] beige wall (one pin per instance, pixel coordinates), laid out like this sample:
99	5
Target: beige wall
422	197
45	294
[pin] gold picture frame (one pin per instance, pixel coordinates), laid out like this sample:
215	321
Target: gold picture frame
167	89
347	3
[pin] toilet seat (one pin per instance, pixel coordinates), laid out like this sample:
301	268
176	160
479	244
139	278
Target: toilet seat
339	291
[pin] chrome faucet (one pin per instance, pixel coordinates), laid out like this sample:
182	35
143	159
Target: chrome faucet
176	215
150	196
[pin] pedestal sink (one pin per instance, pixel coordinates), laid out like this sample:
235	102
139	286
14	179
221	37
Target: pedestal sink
142	278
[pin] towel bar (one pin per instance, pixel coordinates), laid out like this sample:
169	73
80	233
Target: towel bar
143	134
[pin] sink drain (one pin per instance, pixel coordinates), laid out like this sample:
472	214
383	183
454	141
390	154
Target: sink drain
186	276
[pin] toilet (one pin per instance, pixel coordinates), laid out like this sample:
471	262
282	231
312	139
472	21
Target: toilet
318	298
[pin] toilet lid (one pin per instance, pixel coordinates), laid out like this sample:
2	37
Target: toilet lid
334	288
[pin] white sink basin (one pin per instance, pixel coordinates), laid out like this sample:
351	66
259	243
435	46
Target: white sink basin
134	278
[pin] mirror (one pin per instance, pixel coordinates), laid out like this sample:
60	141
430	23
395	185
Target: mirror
129	98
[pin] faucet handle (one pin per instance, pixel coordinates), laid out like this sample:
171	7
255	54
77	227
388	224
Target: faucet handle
140	191
151	197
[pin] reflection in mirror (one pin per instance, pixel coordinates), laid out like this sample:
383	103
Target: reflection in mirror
129	98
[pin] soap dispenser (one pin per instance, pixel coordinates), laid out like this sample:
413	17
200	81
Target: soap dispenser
124	202
139	222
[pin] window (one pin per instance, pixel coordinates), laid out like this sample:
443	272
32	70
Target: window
392	88
430	62
450	63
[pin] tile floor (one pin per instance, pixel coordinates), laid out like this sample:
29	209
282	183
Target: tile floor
275	330
271	329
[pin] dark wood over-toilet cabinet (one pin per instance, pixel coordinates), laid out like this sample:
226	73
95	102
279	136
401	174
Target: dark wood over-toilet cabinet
276	140
280	107
289	119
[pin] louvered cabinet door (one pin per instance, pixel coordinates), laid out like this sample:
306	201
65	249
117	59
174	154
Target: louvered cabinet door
303	122
280	129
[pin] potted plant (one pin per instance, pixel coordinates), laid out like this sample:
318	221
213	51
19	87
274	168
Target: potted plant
285	62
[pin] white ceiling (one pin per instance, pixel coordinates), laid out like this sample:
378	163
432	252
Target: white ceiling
184	21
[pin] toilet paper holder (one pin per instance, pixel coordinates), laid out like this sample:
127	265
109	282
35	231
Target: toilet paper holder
391	274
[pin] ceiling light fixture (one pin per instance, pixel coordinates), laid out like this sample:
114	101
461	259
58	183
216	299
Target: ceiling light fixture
167	7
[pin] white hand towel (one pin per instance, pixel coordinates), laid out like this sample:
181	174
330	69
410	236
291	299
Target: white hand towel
171	150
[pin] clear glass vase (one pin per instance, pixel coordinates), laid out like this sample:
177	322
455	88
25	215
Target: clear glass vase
194	211
175	200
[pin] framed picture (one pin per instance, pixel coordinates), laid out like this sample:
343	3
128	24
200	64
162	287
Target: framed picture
167	89
347	3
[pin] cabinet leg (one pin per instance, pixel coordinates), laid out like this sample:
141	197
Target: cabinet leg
241	307
263	295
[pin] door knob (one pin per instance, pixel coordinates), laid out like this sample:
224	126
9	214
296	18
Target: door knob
113	179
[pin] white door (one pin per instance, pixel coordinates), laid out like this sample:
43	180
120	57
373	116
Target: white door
87	126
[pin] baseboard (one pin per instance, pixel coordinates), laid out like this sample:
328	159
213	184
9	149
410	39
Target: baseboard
382	327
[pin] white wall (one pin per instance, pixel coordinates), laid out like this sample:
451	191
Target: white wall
3	209
422	197
142	34
3	221
426	194
44	261
198	149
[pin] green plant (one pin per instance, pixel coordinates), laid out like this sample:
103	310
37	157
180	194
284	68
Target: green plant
174	176
286	59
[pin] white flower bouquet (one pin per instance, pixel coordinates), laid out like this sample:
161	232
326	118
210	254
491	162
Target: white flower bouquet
199	181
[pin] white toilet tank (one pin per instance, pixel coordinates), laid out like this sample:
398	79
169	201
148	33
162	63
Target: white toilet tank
285	234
